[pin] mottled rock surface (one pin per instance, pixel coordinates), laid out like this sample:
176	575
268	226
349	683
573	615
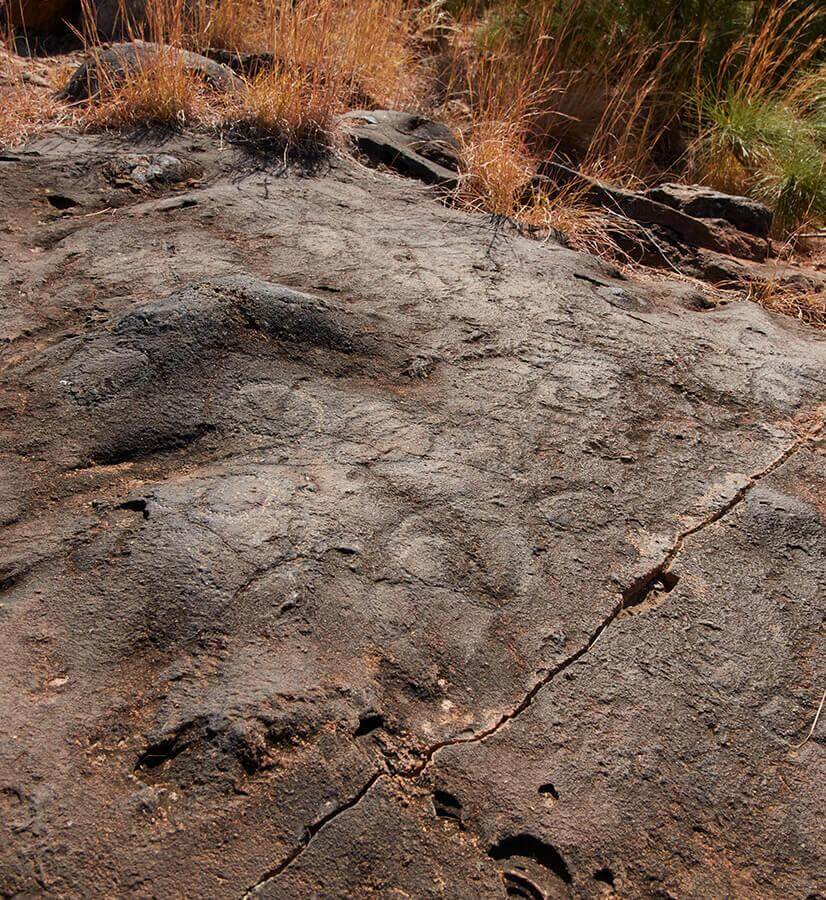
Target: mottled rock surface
356	546
744	213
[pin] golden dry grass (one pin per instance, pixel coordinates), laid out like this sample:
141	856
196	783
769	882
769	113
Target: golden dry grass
160	92
517	88
327	57
807	307
25	111
26	108
287	111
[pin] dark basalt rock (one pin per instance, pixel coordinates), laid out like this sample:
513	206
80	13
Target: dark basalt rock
353	546
702	202
412	145
119	59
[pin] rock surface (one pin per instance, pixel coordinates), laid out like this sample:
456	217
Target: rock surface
113	63
407	143
353	546
644	210
744	213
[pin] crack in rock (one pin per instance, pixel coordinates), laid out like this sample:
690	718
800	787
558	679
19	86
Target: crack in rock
310	831
659	577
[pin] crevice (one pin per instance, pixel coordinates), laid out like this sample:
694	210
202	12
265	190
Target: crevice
312	830
605	875
659	578
446	806
136	506
368	723
162	751
744	491
61	202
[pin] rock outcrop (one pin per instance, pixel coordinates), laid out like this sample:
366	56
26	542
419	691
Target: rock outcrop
410	144
112	64
353	545
702	202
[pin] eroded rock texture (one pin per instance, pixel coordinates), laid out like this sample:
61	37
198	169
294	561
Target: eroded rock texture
355	546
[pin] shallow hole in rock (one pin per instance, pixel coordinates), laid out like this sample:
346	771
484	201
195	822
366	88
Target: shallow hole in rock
369	722
605	875
157	754
658	583
446	806
9	579
519	886
136	506
548	790
531	847
59	201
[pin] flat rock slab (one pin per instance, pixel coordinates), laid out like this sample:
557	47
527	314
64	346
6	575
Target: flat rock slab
354	545
697	200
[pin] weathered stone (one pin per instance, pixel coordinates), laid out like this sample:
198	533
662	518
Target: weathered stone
354	546
729	272
414	146
153	169
634	207
119	59
702	202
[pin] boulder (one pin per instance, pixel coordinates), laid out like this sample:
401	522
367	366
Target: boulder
412	145
727	272
702	202
119	59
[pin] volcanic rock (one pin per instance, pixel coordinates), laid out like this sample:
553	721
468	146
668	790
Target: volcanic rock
702	202
355	545
410	144
119	59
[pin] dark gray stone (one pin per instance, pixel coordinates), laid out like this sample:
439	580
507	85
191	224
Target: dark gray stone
702	202
355	547
118	59
412	145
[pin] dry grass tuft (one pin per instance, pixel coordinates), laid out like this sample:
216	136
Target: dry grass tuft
234	25
496	176
25	111
160	92
496	167
286	111
808	308
26	108
327	56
